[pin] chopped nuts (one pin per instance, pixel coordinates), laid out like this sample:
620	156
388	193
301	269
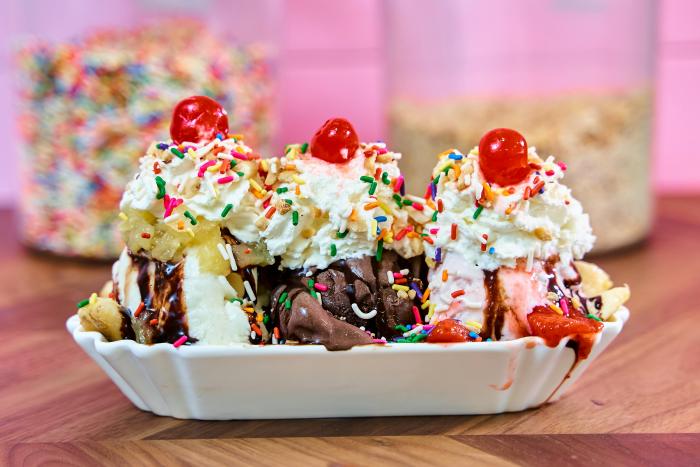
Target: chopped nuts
543	234
262	223
283	207
385	158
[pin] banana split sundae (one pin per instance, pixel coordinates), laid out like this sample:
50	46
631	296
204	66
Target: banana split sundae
323	245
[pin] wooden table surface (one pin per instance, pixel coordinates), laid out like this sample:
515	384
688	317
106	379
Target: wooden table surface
638	403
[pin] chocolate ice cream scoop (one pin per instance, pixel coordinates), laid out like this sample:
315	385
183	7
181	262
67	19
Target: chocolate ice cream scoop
354	293
306	321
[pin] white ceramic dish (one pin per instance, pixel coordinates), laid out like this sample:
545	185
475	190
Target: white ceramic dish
249	382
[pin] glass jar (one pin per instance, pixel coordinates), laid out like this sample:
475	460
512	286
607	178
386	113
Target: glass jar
98	86
573	76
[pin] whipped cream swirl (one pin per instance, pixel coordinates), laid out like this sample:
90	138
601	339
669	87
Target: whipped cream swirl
492	226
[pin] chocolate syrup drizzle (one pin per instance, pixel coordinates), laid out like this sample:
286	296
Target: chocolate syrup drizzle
571	283
160	285
494	313
127	331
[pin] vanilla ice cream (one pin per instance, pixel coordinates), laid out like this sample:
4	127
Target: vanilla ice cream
189	222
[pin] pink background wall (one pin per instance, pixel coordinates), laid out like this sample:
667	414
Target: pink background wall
677	160
331	63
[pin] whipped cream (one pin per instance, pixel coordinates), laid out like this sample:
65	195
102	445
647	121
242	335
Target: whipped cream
197	185
342	210
510	224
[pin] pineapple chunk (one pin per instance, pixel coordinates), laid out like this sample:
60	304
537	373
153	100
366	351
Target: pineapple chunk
168	243
208	236
142	231
135	226
251	254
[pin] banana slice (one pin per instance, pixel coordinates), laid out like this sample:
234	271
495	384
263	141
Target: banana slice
103	316
594	281
612	301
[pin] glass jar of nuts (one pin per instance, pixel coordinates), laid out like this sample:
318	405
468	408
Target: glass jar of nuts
574	77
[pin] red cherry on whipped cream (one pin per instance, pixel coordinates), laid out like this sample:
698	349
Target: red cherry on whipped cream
503	157
336	141
449	330
196	119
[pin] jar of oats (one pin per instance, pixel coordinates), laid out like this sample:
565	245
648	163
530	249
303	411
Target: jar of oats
574	77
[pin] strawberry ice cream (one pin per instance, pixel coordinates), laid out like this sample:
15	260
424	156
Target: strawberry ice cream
502	239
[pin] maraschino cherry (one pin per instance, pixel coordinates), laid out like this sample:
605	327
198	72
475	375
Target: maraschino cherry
336	141
198	118
503	157
448	330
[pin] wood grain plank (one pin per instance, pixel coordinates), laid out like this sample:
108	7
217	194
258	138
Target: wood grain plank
586	450
404	450
499	450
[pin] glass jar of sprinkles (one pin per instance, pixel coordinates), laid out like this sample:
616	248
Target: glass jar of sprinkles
574	77
97	87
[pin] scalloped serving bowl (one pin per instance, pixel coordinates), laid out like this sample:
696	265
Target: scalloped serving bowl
307	381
